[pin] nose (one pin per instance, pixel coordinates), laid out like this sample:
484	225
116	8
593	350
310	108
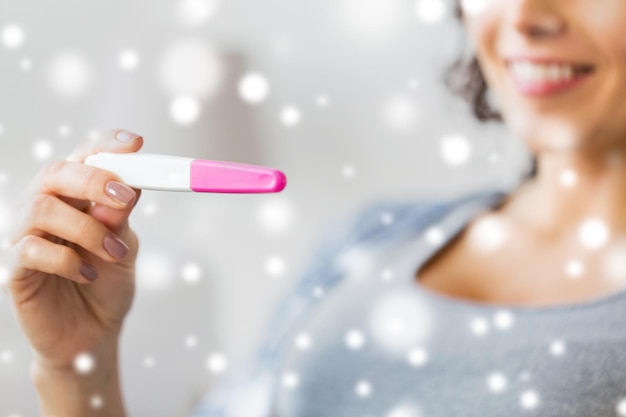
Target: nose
537	18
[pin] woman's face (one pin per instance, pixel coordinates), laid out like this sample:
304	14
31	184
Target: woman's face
534	99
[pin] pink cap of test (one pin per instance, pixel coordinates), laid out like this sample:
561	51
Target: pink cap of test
231	177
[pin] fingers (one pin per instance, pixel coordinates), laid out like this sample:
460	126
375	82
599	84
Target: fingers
72	176
50	215
35	253
69	203
115	220
83	182
82	205
120	141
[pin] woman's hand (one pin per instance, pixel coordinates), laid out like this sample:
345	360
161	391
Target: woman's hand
68	228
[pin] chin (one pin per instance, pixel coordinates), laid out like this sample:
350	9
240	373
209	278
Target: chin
542	132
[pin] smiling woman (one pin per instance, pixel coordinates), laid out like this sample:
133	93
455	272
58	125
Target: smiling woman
530	274
486	305
531	53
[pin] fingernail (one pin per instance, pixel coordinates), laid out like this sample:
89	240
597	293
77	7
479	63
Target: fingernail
88	271
119	192
115	247
125	136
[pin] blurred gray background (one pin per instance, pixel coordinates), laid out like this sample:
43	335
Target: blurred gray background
354	111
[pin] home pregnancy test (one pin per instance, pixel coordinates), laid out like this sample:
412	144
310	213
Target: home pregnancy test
177	173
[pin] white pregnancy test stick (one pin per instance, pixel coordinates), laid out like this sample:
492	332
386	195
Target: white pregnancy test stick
177	173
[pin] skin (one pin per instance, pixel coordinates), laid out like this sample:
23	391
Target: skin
583	129
62	218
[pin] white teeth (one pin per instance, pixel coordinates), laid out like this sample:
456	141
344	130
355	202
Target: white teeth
540	73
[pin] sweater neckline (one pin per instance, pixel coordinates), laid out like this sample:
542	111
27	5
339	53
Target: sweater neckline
452	222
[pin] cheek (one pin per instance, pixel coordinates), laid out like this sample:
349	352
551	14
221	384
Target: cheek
473	8
602	14
482	19
481	8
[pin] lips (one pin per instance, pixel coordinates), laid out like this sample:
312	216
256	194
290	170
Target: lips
545	60
543	75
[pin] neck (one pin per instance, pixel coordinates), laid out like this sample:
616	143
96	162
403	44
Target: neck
570	189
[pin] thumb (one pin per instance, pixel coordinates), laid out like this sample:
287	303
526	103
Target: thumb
118	141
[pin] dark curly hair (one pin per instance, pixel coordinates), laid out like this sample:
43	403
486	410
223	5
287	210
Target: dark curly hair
466	80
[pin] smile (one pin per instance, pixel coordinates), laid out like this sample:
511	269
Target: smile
539	79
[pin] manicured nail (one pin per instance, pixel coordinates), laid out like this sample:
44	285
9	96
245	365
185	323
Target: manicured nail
119	192
125	136
88	271
115	247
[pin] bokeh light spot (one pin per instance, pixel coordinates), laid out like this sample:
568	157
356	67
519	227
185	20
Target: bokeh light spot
574	268
154	271
593	233
149	361
195	12
474	7
253	88
185	110
430	11
42	149
417	357
399	321
275	215
216	363
4	274
303	341
84	363
25	64
489	234
557	348
479	326
69	75
290	380
370	20
191	68
129	59
503	320
96	401
64	130
568	178
6	356
12	36
290	116
322	100
529	399
275	266
496	382
348	171
363	389
191	341
434	235
354	339
191	273
400	113
405	410
614	262
455	150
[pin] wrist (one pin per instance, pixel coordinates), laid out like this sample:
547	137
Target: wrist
97	359
65	390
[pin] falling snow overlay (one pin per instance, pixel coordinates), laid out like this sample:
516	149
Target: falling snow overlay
301	303
400	344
